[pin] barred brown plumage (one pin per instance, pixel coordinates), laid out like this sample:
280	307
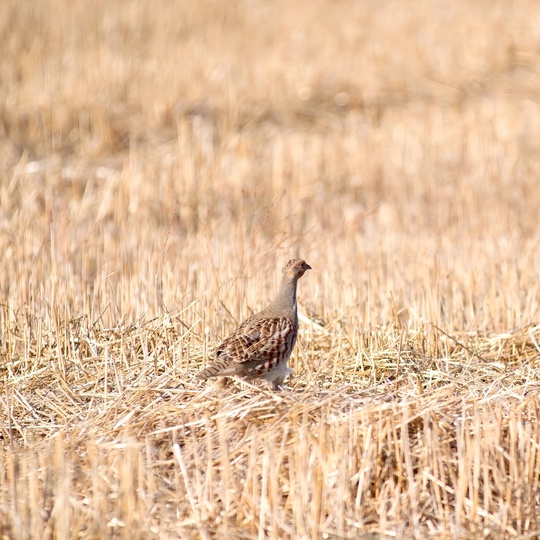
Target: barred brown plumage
261	346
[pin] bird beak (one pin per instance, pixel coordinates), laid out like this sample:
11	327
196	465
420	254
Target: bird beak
308	267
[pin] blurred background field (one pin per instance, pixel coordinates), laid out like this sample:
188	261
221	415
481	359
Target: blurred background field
161	161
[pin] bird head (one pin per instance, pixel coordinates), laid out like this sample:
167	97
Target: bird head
296	268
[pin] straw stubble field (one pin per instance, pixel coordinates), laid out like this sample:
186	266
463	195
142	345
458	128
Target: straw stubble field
160	162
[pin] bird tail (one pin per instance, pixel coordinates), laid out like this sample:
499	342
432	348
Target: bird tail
209	372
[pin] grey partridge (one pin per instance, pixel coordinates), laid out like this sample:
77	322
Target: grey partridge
261	346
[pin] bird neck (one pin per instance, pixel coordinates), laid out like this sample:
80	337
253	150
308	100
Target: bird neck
286	298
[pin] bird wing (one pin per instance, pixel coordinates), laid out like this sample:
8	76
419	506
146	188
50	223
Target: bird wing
256	340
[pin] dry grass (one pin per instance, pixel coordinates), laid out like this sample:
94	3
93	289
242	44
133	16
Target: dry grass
160	162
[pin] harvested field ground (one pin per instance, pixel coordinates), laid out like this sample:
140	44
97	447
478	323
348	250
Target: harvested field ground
160	162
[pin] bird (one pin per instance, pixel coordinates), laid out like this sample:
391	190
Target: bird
261	346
